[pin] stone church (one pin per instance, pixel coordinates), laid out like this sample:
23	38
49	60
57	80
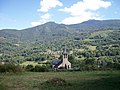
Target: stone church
64	63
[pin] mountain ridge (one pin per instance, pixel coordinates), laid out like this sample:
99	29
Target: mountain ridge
52	30
51	22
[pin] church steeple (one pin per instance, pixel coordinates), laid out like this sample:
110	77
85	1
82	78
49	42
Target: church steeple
65	55
64	63
64	49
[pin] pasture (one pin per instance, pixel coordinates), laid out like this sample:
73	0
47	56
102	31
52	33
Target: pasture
92	80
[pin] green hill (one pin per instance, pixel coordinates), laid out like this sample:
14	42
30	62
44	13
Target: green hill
51	30
89	39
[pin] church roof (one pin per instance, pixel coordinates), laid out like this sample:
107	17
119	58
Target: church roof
56	63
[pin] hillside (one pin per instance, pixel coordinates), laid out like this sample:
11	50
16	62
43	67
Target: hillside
51	30
98	24
90	39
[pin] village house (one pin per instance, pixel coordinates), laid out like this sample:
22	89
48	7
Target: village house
64	63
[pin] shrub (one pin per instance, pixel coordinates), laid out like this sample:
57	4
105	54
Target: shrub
56	82
10	68
37	68
3	87
29	68
113	65
90	67
116	66
41	69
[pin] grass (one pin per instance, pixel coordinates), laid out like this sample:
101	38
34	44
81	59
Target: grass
89	47
29	63
92	48
88	40
94	80
81	50
102	33
2	87
33	63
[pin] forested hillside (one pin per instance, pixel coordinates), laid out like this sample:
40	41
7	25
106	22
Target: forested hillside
93	39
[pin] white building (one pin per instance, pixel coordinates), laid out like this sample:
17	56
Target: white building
64	63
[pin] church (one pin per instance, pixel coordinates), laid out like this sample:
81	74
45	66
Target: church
64	63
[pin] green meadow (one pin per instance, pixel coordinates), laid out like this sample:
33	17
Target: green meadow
102	33
87	80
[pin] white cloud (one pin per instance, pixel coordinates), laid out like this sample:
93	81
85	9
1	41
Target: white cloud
46	16
43	19
35	23
47	4
78	19
84	10
96	4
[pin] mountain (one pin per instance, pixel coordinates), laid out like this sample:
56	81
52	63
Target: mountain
92	38
51	30
99	24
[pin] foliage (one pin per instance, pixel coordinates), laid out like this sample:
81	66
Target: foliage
2	87
29	68
10	68
99	40
71	58
41	69
55	82
37	68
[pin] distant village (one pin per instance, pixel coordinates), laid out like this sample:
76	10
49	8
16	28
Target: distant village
51	52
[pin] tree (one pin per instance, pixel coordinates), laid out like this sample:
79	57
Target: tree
71	58
89	61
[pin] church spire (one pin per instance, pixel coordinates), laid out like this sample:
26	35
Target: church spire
64	50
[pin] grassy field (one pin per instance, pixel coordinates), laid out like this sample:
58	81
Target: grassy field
102	33
29	63
32	63
94	80
92	48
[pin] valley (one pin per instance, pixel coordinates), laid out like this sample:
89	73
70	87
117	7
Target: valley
100	40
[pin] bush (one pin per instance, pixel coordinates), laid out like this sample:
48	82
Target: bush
89	61
113	66
41	69
37	68
56	82
116	66
10	68
3	87
29	68
90	67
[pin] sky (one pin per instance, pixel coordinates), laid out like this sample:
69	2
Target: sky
21	14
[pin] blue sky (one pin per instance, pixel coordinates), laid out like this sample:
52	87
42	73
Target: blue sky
21	14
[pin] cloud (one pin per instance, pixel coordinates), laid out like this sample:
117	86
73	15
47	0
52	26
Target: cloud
47	5
43	19
46	16
84	10
35	23
78	19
